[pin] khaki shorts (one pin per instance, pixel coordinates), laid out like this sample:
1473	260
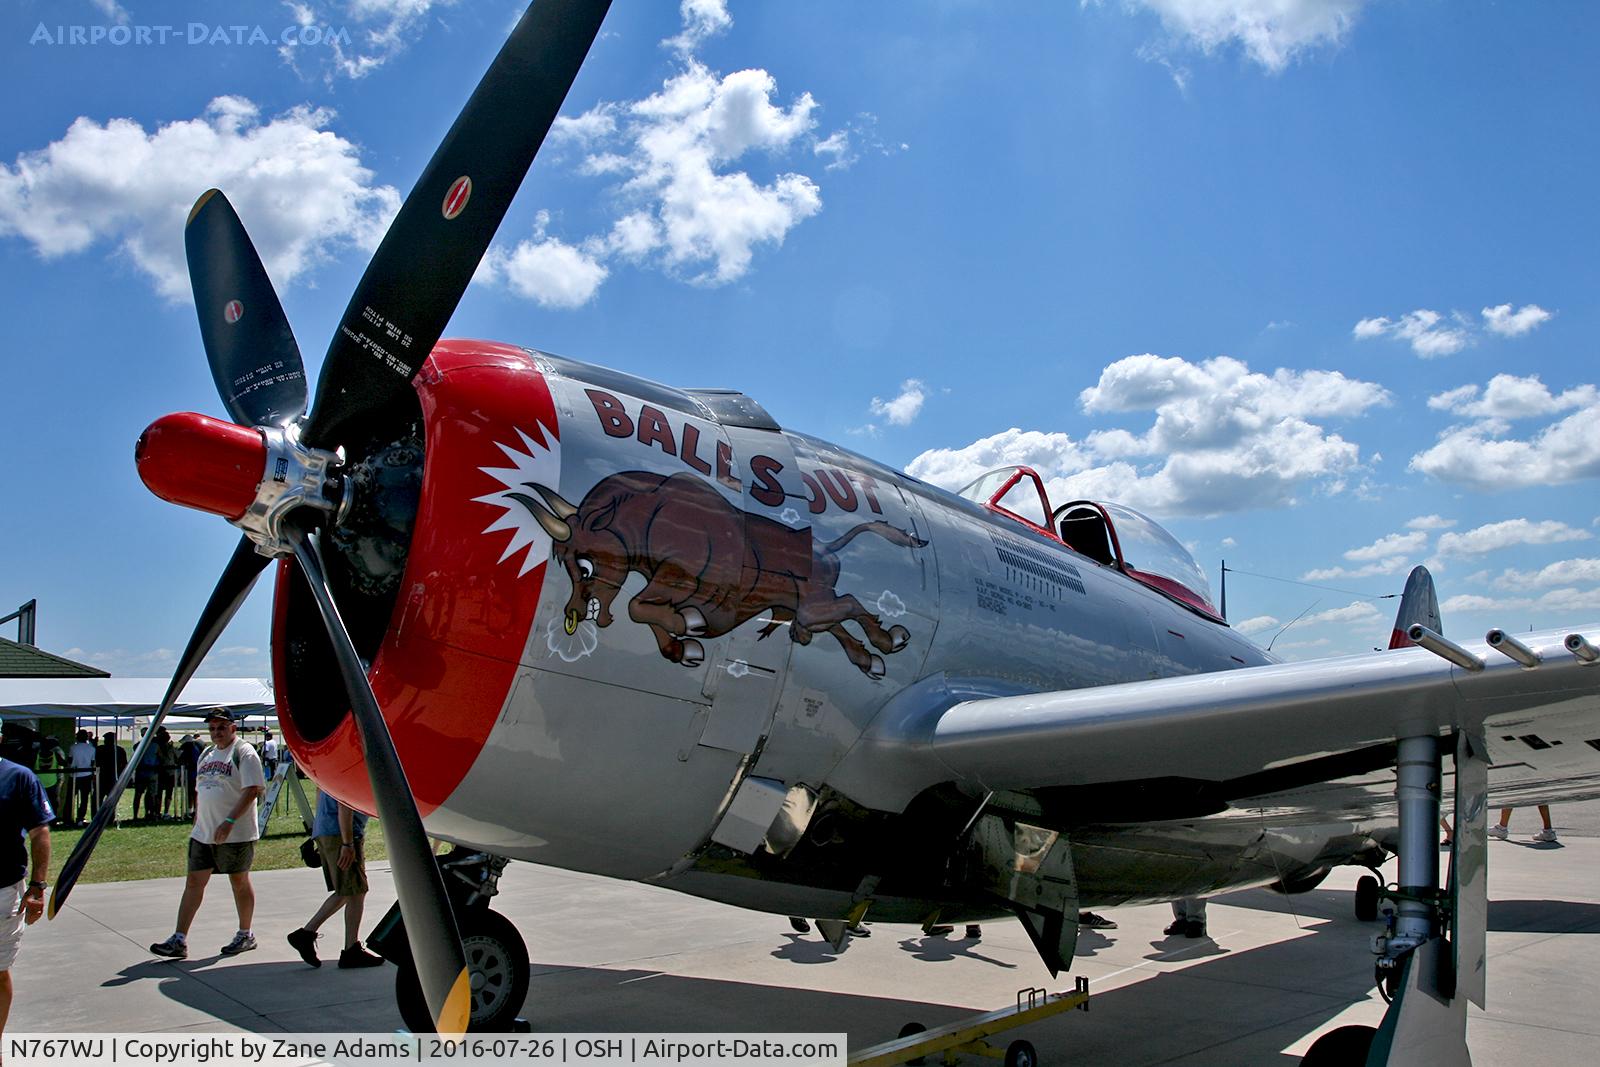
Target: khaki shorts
351	882
224	859
11	922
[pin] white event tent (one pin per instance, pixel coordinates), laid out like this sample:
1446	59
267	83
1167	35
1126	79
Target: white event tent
123	699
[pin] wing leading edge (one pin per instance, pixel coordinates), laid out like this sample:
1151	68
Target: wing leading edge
1291	724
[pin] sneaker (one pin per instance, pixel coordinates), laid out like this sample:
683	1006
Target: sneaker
304	942
858	931
1176	927
1194	928
1096	922
974	932
1498	832
242	942
356	956
174	947
799	925
1546	834
941	930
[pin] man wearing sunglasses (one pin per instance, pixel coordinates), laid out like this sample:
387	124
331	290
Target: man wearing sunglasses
228	781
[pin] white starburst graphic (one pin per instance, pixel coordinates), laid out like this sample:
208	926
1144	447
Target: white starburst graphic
535	463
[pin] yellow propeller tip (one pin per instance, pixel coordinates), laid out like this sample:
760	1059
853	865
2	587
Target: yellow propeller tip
452	1022
198	204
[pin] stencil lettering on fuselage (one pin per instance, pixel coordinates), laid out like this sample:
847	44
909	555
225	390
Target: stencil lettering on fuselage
1033	579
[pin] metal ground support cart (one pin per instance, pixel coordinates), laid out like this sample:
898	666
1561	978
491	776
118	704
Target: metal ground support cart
966	1036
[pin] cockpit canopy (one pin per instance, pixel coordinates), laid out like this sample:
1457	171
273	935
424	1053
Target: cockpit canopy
1110	534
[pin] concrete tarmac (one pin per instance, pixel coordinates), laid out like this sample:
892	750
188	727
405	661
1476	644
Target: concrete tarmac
607	956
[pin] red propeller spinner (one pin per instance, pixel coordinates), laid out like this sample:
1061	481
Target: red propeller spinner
203	463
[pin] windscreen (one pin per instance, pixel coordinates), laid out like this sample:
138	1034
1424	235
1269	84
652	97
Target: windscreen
1149	549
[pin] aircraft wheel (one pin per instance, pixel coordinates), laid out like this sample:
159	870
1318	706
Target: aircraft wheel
1346	1046
1367	891
906	1031
408	998
1021	1054
497	961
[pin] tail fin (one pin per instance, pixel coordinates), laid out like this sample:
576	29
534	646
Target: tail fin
1419	603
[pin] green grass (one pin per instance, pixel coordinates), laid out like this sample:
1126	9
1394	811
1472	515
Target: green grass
137	850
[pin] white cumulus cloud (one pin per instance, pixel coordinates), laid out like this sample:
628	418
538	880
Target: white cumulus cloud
1567	601
357	36
1273	33
1496	535
299	188
1510	397
682	206
702	19
1482	454
1224	438
1053	455
901	409
1562	572
545	269
1355	612
1502	320
1428	333
1389	554
1395	544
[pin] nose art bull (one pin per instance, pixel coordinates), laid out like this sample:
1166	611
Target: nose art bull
708	566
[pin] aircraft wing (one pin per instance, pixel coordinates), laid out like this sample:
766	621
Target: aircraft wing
1208	740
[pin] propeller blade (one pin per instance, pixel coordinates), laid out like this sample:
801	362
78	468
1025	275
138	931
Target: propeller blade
430	922
254	359
238	577
417	276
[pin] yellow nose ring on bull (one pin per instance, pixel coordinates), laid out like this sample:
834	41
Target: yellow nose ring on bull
570	623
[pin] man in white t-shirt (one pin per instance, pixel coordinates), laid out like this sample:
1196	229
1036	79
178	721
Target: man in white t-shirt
228	781
269	754
80	778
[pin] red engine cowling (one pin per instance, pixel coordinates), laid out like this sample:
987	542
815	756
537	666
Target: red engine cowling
448	640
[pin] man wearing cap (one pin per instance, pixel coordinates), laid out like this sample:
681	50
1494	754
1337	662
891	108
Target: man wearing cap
227	782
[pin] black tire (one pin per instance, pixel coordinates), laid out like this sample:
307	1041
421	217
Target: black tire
1346	1046
497	960
906	1031
408	998
1021	1054
1301	883
1367	891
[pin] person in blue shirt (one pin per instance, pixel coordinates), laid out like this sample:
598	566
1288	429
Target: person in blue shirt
25	817
340	832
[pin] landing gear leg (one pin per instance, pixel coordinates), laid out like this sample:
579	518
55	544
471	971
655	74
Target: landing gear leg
1416	962
497	957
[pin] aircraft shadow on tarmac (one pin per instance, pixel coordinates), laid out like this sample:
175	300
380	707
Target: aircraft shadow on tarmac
1214	1010
1544	916
1128	1025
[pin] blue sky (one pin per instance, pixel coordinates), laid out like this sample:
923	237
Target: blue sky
1311	281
